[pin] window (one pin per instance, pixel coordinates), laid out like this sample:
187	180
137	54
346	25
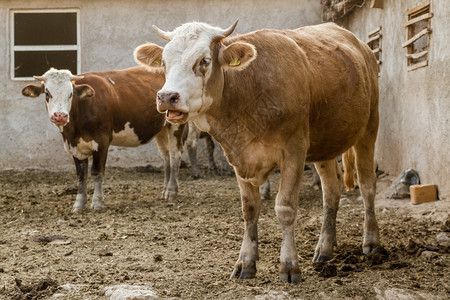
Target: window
41	39
374	43
418	35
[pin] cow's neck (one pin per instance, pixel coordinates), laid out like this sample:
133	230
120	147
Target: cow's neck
238	120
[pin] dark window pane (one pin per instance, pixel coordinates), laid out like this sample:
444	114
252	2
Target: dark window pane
29	63
45	29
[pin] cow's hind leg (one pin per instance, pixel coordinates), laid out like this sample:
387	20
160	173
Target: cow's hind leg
82	174
264	189
365	166
245	266
212	168
331	191
98	173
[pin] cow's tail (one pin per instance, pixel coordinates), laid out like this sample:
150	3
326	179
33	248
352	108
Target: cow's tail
348	163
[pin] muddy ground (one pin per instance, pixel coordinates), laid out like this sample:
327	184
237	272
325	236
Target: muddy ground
186	249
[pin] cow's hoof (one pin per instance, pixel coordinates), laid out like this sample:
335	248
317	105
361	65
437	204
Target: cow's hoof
373	248
290	273
245	270
170	196
379	250
77	209
97	205
319	257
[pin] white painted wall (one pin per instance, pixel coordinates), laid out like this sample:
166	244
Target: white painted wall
110	30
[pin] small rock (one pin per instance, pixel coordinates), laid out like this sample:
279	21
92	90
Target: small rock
442	237
383	292
60	222
429	254
129	292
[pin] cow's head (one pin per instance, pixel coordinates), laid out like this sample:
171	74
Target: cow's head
193	61
59	88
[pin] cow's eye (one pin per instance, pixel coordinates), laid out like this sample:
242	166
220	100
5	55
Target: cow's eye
47	95
205	62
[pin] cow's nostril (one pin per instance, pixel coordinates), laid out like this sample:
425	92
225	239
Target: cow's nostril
170	97
60	116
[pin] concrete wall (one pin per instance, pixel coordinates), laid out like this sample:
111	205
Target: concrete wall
415	105
110	30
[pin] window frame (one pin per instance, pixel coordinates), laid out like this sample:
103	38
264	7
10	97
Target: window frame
375	36
14	48
421	12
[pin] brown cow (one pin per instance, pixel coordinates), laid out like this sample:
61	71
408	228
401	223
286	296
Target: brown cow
95	110
277	98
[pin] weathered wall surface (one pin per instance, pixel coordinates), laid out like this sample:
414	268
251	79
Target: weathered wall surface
414	105
110	30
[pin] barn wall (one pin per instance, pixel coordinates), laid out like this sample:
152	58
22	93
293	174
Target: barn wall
110	30
415	105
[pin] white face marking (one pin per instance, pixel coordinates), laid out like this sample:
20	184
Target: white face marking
183	57
59	92
126	137
82	150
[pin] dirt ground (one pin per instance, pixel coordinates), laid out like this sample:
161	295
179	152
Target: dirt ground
186	249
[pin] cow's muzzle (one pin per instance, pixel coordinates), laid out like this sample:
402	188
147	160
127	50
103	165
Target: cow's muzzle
167	102
59	119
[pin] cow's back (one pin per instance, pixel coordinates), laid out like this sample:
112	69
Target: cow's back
125	99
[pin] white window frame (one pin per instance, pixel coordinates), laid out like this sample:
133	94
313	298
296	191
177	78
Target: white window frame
15	48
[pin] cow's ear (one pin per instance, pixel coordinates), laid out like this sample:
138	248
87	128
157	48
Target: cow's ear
33	90
149	55
237	56
83	90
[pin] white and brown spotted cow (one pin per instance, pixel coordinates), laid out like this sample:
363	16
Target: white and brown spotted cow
277	98
95	110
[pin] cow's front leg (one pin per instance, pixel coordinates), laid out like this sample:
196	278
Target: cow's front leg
331	191
286	203
82	174
245	266
98	172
